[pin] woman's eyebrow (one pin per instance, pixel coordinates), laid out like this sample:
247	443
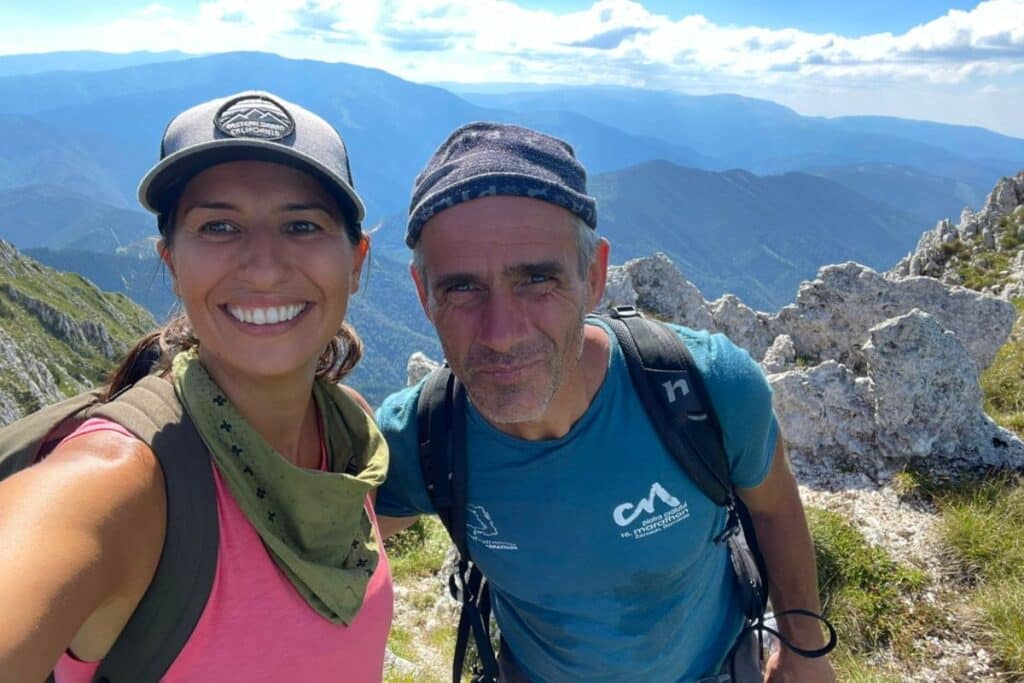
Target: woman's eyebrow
218	206
305	206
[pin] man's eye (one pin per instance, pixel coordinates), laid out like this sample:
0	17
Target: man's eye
218	228
538	278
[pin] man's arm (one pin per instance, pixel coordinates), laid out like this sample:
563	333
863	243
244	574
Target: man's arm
389	526
785	542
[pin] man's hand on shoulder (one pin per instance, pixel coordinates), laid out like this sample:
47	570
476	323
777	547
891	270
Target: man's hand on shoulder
788	667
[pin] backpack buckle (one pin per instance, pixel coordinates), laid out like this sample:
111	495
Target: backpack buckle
732	525
622	312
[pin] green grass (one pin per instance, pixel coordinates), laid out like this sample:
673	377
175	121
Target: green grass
999	609
1003	381
984	270
868	596
400	642
983	527
419	550
854	669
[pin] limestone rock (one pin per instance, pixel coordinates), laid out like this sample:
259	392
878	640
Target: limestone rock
1007	195
657	287
825	414
62	326
833	313
919	400
780	356
28	384
418	367
926	397
750	329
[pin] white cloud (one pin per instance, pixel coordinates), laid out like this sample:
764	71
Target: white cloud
612	41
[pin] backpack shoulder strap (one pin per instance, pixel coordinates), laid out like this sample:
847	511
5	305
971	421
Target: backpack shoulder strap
674	397
174	601
677	403
24	440
441	425
442	446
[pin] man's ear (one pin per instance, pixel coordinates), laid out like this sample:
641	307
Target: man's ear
421	289
597	273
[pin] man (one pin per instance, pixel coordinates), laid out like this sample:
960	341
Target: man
563	465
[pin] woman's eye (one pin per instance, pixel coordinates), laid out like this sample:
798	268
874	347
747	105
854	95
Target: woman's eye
304	227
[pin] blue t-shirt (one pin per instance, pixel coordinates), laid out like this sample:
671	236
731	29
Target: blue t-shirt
598	547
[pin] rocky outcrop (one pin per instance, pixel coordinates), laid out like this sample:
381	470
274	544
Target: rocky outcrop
59	334
64	327
25	382
656	286
918	400
833	313
869	373
418	367
949	251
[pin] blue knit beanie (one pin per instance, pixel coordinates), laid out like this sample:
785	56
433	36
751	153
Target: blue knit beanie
486	159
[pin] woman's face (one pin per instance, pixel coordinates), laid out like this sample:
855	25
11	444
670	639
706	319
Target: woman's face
264	267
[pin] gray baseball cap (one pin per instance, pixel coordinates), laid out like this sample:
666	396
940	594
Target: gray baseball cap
250	125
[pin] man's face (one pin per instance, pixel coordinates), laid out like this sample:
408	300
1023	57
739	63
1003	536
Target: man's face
504	291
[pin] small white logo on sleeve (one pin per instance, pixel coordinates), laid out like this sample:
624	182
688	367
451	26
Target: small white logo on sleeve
626	514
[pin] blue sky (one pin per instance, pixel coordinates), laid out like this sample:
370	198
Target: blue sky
954	61
852	18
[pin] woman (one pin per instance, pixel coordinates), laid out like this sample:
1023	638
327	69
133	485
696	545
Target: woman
260	230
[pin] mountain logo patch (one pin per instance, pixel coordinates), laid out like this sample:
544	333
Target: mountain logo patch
254	117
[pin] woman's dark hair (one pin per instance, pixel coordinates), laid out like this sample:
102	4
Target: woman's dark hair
154	352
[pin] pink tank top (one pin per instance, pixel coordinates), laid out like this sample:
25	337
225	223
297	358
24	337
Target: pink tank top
255	626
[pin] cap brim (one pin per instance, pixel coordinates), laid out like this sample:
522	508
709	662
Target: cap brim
165	180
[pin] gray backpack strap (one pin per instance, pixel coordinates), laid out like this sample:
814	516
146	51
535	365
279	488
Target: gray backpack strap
23	441
174	601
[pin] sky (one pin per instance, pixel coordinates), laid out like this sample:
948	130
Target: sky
958	62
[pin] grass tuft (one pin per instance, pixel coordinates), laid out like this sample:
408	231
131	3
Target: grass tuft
867	594
419	550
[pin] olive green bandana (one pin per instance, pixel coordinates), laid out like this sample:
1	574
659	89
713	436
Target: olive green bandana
314	523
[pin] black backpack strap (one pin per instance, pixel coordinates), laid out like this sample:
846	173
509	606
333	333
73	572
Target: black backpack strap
434	434
174	601
675	400
672	391
441	424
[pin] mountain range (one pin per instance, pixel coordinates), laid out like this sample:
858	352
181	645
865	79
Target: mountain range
82	128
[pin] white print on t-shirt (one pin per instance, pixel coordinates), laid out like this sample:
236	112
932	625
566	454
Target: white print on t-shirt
481	527
627	513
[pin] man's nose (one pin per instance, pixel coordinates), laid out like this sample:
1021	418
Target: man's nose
503	322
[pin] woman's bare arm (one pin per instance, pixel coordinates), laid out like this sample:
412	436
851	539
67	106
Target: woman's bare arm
80	538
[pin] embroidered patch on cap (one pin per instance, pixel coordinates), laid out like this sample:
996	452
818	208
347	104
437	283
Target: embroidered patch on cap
254	117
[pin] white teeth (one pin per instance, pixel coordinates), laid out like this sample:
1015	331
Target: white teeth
266	316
